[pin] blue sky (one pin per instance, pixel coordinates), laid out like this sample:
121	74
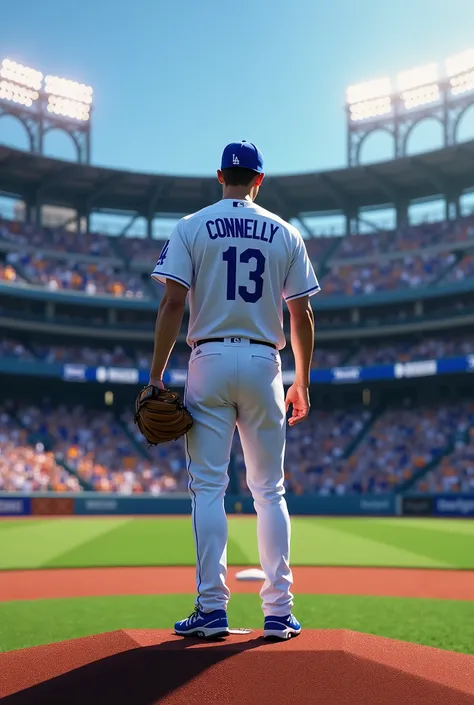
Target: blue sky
176	81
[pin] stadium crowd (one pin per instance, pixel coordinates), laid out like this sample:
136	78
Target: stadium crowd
408	350
455	472
56	239
368	354
356	452
464	269
401	442
413	268
90	278
410	271
27	466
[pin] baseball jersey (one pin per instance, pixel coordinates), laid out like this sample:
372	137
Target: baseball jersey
238	261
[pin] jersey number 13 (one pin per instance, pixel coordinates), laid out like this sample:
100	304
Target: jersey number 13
255	275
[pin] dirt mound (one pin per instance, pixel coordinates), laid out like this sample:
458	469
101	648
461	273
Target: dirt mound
320	667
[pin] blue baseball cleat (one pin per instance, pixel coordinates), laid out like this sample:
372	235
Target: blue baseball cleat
204	625
281	627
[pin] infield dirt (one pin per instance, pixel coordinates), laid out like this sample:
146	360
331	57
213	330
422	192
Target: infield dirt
91	582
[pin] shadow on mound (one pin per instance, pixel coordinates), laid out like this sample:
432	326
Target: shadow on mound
142	668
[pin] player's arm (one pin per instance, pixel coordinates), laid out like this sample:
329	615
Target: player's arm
302	343
168	322
301	283
174	269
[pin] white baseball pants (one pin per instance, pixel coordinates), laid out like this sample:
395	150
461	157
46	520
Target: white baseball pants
238	384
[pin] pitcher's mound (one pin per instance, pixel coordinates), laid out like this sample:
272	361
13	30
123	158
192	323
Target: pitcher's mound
318	668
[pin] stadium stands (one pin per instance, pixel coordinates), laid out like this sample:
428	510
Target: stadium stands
455	472
364	354
401	442
334	452
408	271
56	239
404	351
26	466
353	450
415	266
90	278
464	269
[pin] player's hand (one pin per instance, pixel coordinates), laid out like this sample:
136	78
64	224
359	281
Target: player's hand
297	397
156	382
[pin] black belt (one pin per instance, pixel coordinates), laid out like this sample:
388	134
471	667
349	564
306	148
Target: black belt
222	340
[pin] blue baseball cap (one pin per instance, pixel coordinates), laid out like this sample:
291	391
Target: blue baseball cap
244	155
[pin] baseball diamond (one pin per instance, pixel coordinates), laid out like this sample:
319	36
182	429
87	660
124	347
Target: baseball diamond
236	381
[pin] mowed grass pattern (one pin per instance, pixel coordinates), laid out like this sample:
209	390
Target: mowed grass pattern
129	541
441	623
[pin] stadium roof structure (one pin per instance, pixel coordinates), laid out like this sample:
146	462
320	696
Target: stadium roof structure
41	180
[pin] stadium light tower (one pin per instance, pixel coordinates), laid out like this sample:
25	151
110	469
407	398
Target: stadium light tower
417	94
45	105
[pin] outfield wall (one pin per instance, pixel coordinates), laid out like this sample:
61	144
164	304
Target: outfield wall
93	503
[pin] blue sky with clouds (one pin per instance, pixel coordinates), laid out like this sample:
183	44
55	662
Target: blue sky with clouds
174	82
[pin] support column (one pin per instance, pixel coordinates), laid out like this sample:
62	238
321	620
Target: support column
352	217
38	205
28	212
50	310
402	214
419	308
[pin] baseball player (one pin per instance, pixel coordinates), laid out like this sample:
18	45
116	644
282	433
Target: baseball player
238	261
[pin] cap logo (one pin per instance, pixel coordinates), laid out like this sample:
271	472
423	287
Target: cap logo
235	160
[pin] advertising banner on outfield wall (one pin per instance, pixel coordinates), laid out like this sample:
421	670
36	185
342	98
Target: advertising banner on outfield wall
103	505
52	506
15	506
454	505
422	506
352	505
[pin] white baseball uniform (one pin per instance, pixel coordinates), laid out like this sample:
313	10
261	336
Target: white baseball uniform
238	262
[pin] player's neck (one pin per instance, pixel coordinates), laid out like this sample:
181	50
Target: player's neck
237	193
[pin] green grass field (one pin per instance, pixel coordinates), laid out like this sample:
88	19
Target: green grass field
78	542
123	541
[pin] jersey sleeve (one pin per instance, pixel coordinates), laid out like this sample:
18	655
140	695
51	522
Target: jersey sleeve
174	261
300	279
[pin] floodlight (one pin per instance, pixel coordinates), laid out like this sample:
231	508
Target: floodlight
420	76
370	108
460	63
378	88
22	75
464	83
370	99
421	96
460	69
17	94
68	108
68	89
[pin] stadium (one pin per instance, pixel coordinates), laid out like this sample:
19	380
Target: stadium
95	527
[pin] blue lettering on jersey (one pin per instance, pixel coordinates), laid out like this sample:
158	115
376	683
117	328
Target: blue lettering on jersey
239	227
273	230
163	253
220	227
212	235
247	228
229	227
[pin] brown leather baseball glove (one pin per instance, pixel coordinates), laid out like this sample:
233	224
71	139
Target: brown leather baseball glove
161	415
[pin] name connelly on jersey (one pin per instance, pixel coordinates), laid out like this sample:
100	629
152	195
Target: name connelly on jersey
242	227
